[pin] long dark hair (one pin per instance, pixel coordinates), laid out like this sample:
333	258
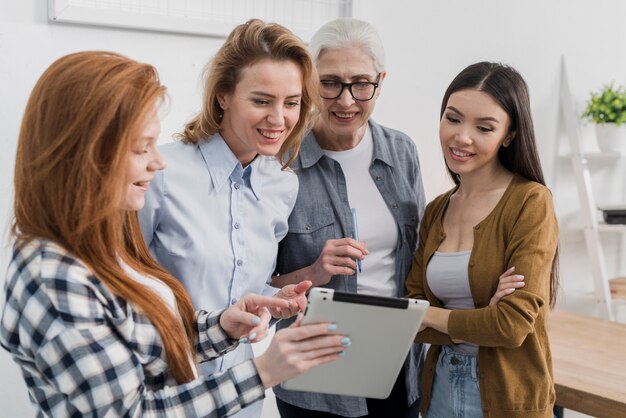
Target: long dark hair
507	87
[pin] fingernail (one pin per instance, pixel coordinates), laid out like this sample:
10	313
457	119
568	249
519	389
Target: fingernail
252	336
345	341
256	320
332	327
341	353
243	340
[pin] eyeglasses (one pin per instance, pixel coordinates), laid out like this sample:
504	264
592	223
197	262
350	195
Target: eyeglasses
361	90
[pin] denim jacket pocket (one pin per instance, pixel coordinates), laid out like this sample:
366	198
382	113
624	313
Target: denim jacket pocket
309	229
311	221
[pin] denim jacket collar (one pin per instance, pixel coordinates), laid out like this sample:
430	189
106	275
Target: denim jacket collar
311	152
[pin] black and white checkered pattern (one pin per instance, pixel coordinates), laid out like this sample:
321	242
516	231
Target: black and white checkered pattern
85	352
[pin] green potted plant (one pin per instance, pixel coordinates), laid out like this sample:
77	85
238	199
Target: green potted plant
607	109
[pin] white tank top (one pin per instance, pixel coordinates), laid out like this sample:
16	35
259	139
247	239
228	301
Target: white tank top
448	279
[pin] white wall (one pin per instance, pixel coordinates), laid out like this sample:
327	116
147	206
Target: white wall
427	44
28	44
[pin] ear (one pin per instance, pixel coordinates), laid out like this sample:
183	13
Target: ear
222	100
509	138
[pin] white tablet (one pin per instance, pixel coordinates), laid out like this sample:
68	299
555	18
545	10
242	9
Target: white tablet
381	329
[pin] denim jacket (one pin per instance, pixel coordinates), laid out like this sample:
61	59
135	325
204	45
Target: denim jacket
322	212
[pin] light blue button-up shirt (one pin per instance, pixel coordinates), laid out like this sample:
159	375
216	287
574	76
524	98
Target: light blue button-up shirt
216	226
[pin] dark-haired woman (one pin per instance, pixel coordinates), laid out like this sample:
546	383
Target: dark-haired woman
487	359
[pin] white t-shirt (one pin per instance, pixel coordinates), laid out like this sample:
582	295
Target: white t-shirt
163	291
376	226
157	286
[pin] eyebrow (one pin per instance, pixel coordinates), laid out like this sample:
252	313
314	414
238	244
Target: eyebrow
483	119
261	93
335	76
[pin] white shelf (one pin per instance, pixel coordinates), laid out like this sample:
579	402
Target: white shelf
581	162
604	227
595	156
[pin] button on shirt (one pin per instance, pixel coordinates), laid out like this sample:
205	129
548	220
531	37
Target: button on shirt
216	226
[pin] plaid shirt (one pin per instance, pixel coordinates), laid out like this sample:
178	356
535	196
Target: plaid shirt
85	352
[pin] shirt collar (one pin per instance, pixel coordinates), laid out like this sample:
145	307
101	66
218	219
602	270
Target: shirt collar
253	178
311	152
221	163
382	149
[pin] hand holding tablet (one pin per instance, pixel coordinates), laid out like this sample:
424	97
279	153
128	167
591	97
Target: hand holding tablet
381	332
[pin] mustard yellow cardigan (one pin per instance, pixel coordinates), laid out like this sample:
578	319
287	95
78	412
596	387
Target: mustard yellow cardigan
514	353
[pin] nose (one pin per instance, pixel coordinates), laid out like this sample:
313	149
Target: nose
157	162
463	135
345	98
276	116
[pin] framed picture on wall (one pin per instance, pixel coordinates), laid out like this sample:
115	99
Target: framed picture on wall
215	18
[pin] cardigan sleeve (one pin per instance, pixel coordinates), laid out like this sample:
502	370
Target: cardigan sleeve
531	249
415	286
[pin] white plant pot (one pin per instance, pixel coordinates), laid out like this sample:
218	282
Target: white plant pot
611	138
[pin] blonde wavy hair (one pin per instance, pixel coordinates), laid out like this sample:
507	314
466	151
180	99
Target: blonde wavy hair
247	44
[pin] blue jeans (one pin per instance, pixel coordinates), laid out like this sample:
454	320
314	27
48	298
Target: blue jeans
456	390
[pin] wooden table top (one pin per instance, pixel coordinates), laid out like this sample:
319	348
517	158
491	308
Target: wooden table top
589	360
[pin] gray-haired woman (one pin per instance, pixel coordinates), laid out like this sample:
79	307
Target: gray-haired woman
349	161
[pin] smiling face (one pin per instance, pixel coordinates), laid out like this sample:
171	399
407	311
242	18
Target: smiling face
343	120
144	159
472	130
263	110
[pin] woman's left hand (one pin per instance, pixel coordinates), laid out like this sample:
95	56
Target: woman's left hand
295	294
248	319
507	283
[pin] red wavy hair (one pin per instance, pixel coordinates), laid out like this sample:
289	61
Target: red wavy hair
79	124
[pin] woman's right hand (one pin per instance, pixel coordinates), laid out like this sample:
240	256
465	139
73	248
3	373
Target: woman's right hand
507	283
296	349
337	258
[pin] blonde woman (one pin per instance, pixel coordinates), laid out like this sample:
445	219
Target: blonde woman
215	217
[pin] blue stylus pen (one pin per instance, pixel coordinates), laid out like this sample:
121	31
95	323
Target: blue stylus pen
356	235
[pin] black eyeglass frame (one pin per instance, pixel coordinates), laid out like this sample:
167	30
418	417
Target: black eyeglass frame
349	87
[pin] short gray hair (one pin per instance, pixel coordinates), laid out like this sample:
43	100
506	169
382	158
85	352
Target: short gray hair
343	32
